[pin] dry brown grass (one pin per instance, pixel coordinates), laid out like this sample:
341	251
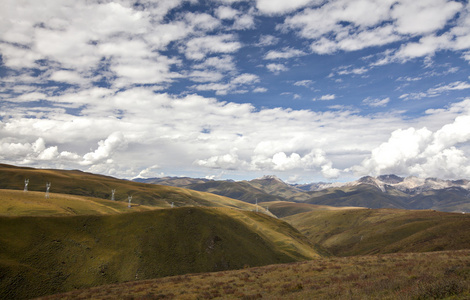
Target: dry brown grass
436	275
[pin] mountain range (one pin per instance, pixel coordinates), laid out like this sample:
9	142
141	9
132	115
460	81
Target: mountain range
385	191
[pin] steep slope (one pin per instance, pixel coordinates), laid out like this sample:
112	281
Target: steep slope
372	231
91	185
46	255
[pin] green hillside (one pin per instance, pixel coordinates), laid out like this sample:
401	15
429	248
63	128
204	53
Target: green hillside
373	231
80	183
47	255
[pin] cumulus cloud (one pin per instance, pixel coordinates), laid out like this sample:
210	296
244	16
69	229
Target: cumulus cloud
106	148
422	152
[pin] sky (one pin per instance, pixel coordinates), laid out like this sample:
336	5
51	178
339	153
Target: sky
307	90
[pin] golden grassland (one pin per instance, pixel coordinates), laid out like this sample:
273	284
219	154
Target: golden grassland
19	203
437	275
374	231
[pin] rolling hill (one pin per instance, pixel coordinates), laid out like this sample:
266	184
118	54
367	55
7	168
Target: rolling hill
80	183
375	231
19	203
47	255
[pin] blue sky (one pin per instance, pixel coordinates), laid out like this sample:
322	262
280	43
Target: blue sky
308	90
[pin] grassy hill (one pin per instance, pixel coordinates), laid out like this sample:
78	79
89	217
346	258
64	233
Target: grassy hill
80	183
19	203
439	275
374	231
47	255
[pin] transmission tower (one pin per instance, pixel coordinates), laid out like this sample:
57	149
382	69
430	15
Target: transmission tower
26	182
112	194
130	199
48	186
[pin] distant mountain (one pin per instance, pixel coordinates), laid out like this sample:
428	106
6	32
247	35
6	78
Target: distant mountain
385	191
172	181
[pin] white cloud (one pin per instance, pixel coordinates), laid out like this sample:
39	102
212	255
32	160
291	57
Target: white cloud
306	83
197	48
226	12
260	90
376	102
436	91
276	68
115	141
267	40
281	6
205	76
349	26
422	152
416	17
326	97
286	53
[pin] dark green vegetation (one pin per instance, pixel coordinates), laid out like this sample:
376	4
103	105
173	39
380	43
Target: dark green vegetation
374	231
47	255
438	275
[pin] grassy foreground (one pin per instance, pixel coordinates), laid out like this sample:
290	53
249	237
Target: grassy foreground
438	275
47	255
